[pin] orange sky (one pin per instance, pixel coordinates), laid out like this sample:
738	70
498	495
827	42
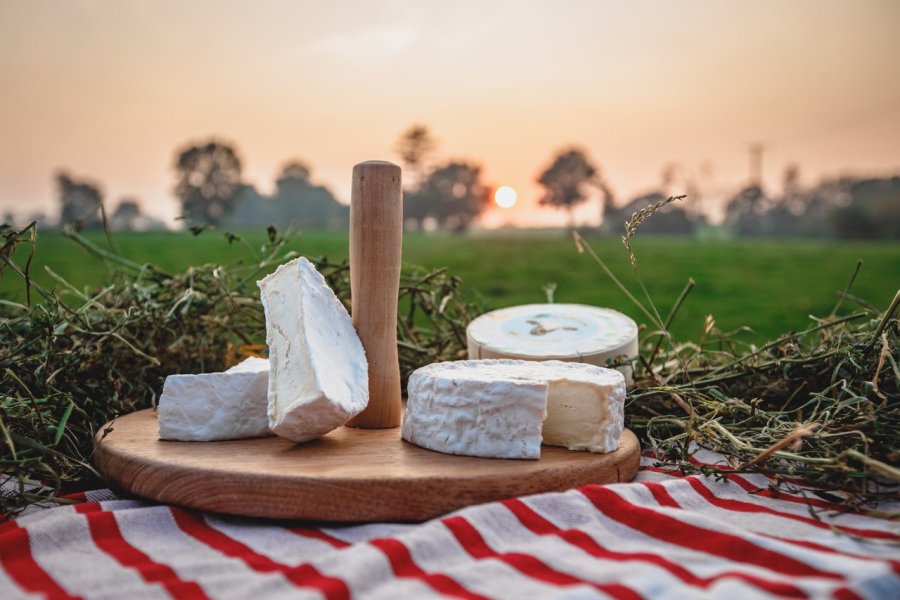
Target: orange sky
109	89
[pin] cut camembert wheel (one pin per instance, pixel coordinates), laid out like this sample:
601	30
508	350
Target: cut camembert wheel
506	408
318	376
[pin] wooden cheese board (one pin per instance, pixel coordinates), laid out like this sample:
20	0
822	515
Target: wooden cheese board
353	474
350	475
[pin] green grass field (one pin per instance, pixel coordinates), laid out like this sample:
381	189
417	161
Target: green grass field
771	286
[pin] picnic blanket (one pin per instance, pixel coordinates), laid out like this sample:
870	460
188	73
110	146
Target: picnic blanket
662	536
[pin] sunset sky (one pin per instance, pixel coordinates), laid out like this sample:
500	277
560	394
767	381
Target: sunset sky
109	89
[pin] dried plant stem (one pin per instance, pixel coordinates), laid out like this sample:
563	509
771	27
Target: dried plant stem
787	338
883	469
886	317
99	252
678	302
631	227
801	432
882	356
846	293
581	245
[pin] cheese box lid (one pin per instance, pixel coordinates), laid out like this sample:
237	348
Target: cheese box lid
553	331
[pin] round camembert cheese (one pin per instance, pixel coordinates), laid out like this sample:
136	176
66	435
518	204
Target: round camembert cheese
568	332
507	408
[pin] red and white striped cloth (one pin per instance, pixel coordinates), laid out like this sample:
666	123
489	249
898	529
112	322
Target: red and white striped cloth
663	536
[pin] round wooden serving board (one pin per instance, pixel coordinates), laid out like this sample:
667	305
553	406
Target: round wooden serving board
350	475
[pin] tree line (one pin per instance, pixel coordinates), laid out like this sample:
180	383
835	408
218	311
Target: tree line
843	208
451	194
211	190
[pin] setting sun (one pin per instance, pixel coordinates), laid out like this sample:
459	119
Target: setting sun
505	197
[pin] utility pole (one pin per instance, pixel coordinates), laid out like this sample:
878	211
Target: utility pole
756	154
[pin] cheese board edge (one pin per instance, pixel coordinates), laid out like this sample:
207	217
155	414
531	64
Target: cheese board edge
374	476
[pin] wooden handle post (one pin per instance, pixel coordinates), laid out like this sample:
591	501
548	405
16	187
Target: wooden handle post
376	238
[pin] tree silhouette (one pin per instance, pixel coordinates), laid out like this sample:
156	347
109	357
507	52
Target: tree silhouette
295	170
79	201
566	181
297	200
126	215
253	210
871	210
415	147
745	212
452	194
853	222
312	206
209	179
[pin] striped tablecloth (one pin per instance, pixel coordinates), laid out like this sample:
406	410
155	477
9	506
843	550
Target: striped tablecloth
663	536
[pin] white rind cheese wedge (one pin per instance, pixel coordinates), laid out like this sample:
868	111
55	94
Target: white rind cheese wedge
216	406
506	408
319	374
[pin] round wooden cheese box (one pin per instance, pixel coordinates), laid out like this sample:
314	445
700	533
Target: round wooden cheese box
571	332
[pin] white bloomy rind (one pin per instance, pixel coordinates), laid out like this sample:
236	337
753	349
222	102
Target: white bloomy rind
506	408
319	374
568	332
216	406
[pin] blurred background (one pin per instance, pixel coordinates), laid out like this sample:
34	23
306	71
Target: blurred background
514	121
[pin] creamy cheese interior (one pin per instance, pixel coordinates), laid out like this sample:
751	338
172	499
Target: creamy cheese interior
293	382
574	412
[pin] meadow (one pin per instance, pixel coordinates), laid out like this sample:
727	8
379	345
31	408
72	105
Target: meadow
769	286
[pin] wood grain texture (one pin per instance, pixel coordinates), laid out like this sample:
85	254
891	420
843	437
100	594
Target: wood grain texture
350	475
376	238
